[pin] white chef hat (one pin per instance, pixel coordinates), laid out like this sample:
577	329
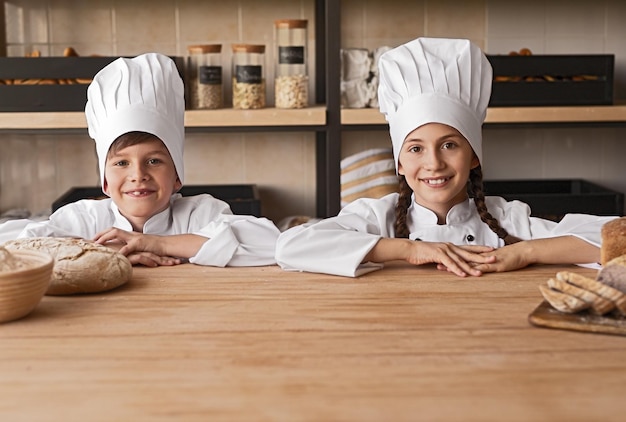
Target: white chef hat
435	80
144	93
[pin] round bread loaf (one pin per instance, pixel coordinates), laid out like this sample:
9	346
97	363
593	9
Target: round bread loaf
80	266
613	273
613	240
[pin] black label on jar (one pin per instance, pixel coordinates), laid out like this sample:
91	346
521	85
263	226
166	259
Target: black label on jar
210	75
249	74
291	55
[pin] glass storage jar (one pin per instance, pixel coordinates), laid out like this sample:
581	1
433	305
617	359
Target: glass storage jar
248	74
204	73
291	77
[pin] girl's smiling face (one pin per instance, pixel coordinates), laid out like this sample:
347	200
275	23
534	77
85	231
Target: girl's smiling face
140	179
436	161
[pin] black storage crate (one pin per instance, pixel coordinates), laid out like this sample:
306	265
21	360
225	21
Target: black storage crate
552	199
552	80
243	199
51	83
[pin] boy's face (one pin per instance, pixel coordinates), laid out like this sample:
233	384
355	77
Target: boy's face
140	179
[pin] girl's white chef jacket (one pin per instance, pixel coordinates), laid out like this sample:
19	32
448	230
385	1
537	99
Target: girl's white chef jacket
338	245
233	240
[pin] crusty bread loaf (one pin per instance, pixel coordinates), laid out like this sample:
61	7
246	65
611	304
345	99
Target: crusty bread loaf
613	240
613	273
80	266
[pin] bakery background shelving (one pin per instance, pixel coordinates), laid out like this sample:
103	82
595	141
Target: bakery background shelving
336	132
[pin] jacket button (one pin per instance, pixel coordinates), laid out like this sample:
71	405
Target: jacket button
470	238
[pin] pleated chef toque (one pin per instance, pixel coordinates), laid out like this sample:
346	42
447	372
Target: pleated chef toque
144	93
435	80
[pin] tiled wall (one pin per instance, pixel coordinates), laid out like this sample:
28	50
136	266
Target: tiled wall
35	168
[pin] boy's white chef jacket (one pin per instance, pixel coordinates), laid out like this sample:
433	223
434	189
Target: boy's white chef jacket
338	245
234	240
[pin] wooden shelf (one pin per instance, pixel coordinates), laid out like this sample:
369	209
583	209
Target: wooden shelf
267	117
569	114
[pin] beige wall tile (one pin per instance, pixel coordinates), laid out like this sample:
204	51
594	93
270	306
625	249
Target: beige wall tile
156	26
212	158
457	18
76	20
208	22
280	163
353	142
512	153
26	21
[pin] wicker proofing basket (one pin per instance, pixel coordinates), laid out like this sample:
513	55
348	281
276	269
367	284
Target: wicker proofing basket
22	290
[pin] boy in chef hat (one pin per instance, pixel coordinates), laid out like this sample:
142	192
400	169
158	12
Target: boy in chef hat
434	94
135	113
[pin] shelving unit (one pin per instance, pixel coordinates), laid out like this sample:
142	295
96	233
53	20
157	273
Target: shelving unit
323	119
269	118
327	120
513	115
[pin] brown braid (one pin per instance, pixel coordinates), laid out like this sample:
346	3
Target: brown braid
402	207
475	189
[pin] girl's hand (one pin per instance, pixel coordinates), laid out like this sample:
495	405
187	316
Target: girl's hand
508	258
460	260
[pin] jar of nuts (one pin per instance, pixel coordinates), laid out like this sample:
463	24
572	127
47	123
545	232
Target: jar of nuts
204	75
291	80
248	75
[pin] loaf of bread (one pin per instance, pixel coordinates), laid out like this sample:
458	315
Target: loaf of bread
563	302
613	240
598	304
571	292
613	273
80	266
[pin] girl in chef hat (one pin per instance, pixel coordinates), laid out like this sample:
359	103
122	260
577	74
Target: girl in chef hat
434	94
135	113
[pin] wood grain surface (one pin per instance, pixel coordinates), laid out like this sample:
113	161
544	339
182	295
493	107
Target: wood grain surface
191	343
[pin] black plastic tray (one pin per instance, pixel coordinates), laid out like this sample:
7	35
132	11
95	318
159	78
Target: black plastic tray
573	80
54	97
552	199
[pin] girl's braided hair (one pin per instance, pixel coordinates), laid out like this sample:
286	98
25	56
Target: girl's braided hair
475	190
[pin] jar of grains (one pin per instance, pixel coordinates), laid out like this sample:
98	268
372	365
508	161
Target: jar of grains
204	75
248	75
291	80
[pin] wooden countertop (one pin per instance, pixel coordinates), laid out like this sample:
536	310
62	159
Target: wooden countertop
259	344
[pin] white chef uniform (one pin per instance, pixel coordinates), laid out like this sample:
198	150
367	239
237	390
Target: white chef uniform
146	93
423	81
234	240
339	244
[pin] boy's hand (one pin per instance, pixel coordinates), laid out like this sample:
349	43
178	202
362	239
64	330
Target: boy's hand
139	248
151	260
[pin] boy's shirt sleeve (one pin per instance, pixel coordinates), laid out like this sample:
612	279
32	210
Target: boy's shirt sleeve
233	240
82	219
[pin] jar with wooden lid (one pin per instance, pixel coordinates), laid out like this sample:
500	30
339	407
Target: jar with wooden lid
248	74
291	77
204	76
